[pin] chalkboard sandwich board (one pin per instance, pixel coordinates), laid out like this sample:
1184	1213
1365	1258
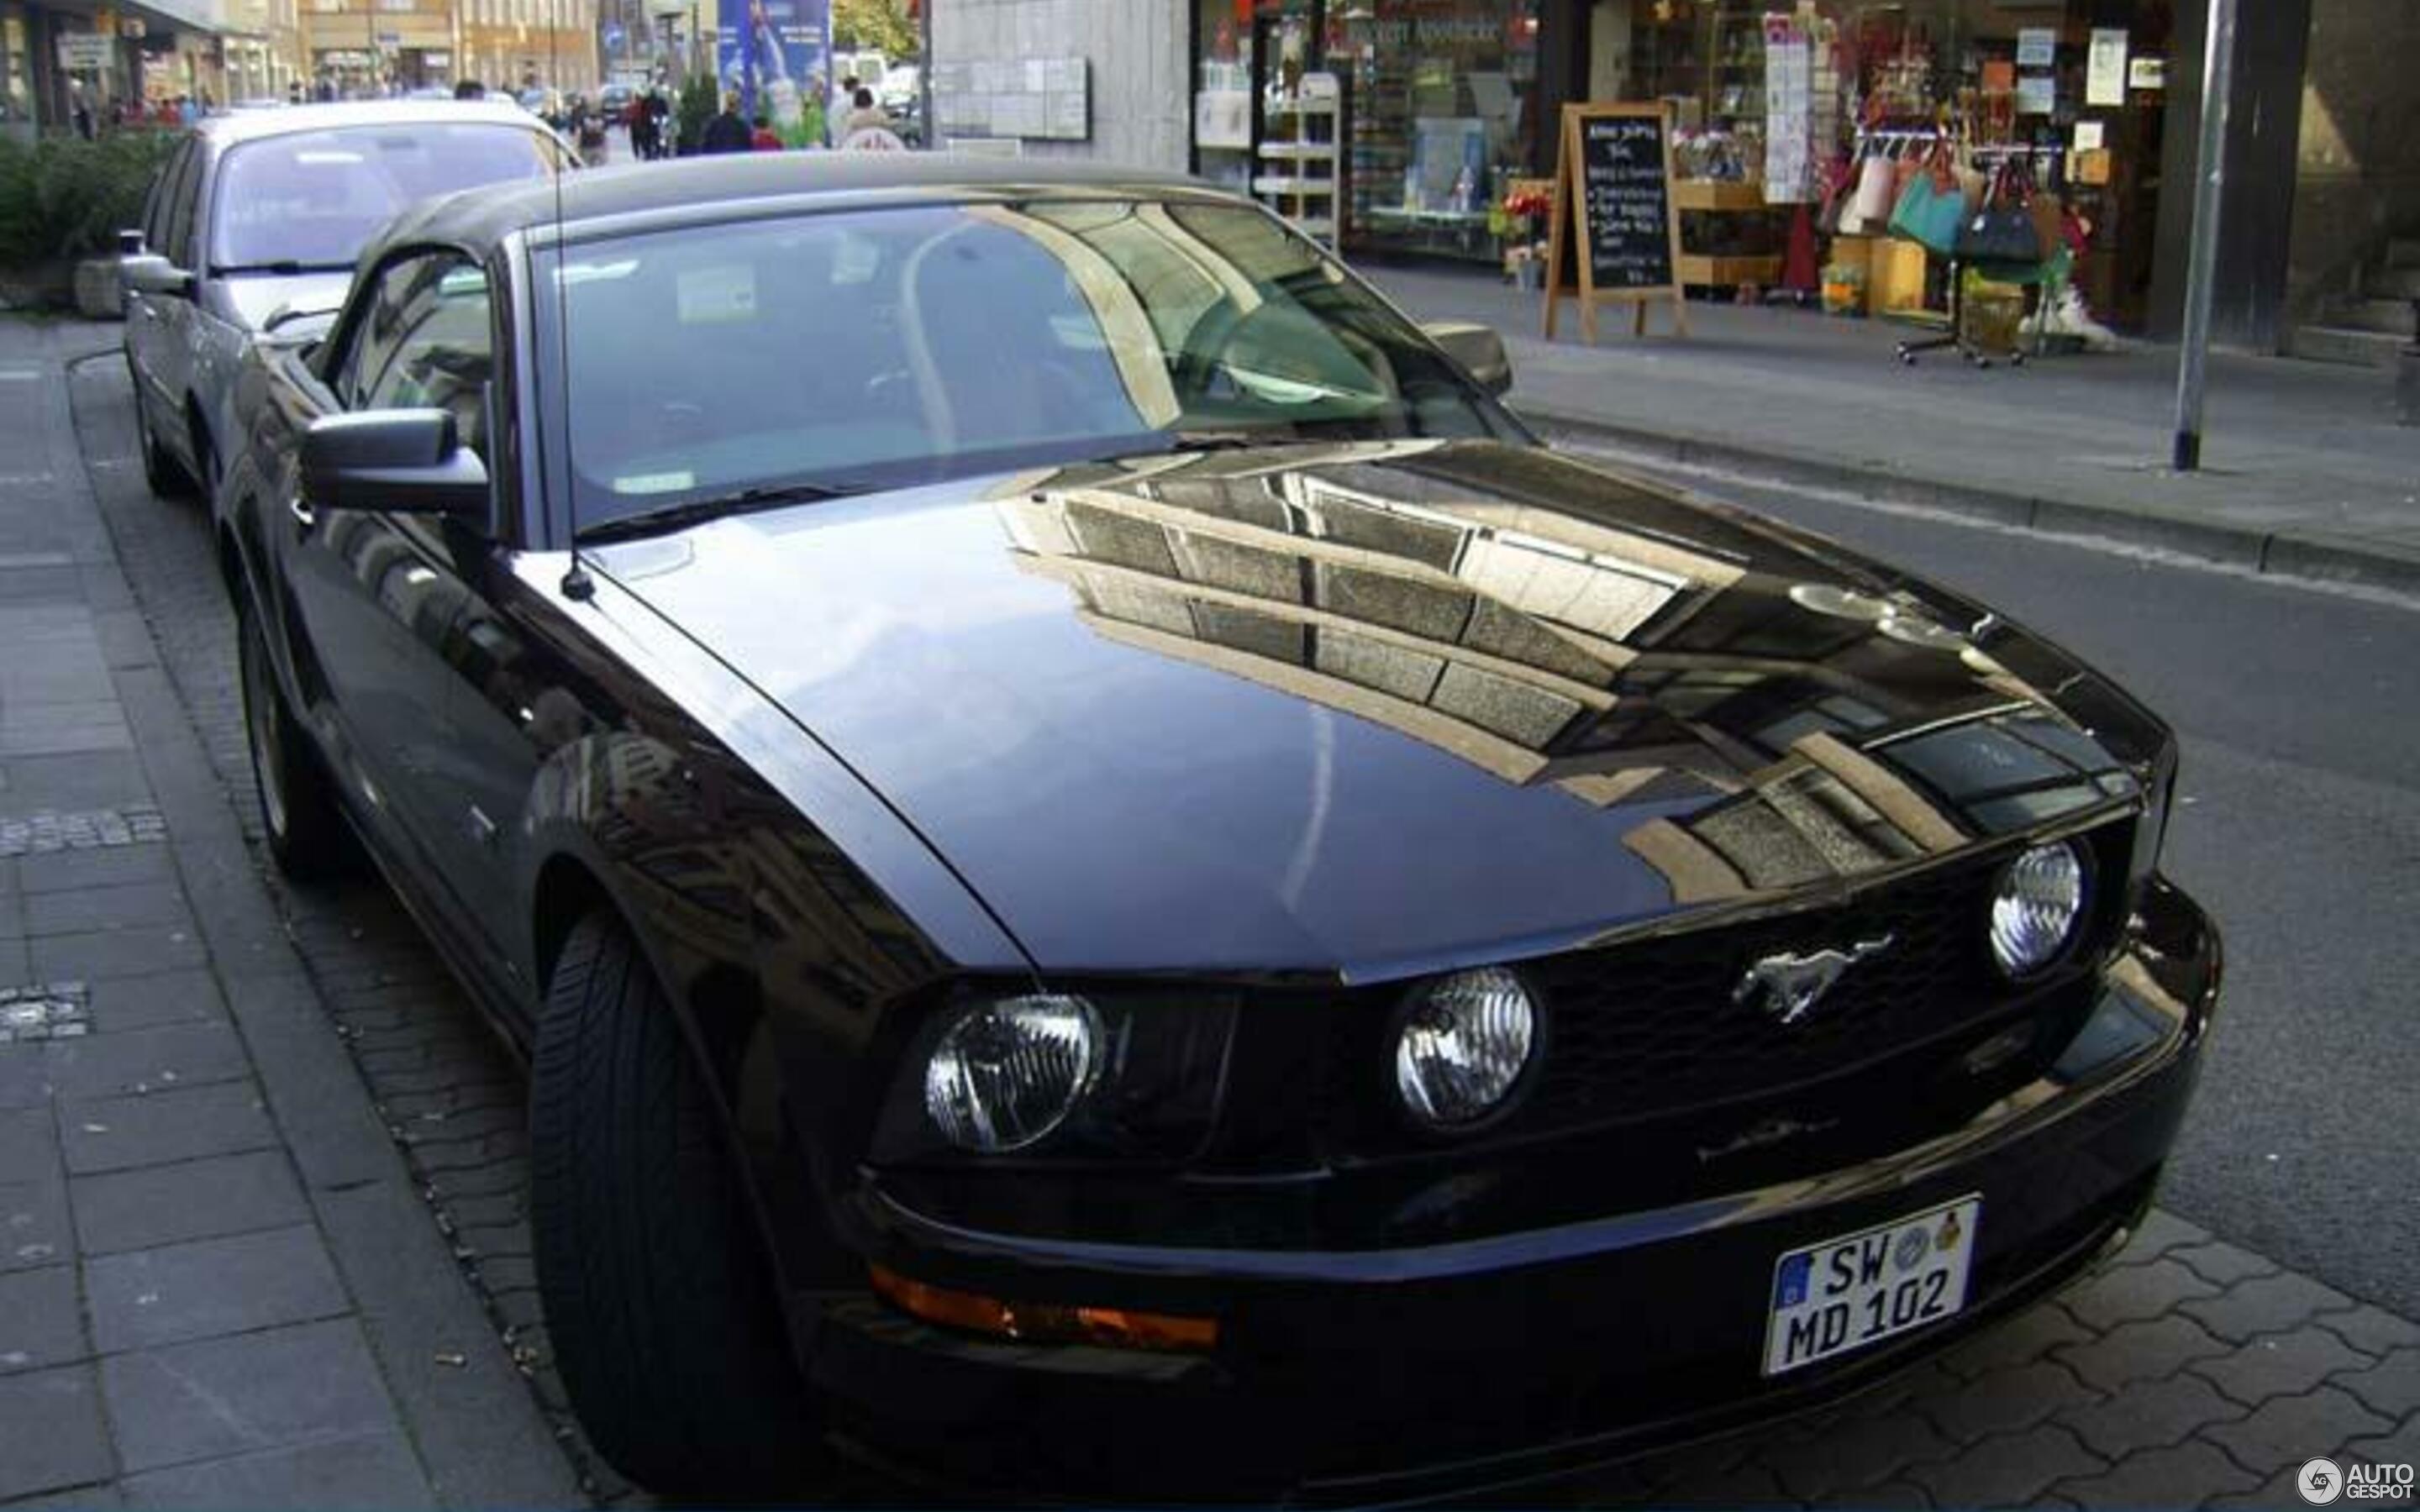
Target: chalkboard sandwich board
1617	233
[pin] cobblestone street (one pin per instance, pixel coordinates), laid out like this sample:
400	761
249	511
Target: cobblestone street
2190	1373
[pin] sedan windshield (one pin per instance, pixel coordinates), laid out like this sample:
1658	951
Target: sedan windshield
852	350
313	198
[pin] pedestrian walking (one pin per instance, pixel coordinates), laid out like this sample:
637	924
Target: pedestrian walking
863	114
762	138
726	132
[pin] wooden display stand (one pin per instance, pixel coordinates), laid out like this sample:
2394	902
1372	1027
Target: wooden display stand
1616	234
1724	196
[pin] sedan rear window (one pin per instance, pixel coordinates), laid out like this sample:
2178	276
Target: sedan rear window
316	197
852	350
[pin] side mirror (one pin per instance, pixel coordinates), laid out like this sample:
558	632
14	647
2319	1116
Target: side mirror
1476	348
398	461
151	273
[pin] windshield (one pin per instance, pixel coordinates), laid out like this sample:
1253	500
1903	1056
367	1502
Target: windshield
882	347
316	197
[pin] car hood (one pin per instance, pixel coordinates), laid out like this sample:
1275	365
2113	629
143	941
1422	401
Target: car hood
253	298
1370	710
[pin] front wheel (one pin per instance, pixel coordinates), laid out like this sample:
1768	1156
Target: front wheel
306	831
659	1297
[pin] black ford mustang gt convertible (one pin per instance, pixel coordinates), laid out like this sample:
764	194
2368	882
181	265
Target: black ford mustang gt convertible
1112	881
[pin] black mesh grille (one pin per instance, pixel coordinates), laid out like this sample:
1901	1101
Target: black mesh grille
1653	1026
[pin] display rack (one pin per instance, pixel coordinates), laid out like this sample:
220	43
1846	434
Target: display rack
1728	198
1298	175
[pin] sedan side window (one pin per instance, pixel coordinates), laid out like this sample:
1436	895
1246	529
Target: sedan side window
183	190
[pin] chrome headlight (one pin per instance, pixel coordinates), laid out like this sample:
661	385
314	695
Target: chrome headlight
1464	1043
1007	1072
2037	907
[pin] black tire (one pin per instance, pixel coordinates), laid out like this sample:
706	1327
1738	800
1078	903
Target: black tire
658	1293
162	473
298	813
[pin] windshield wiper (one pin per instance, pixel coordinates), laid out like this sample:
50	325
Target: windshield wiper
698	511
1227	441
282	268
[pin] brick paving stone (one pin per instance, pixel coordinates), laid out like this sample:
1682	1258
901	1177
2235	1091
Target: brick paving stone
1895	1494
2139	1351
2396	1447
211	1287
143	1002
1845	1455
34	1225
129	952
1743	1486
2134	1293
119	866
2280	1365
119	1132
157	1205
157	1060
2265	1305
124	905
2161	1231
2290	1429
2008	1401
2193	1473
2008	1468
29	1145
24	1076
379	1471
41	1322
2020	1341
2392	1386
2150	1414
232	1395
50	1433
2223	1264
2372	1330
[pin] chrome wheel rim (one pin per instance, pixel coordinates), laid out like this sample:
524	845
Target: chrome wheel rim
260	729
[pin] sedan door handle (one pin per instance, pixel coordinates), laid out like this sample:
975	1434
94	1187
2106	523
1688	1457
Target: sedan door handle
301	509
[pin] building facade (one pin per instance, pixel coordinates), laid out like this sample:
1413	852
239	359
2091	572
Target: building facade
1408	126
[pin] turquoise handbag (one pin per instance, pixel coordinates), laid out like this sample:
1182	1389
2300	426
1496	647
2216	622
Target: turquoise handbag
1928	214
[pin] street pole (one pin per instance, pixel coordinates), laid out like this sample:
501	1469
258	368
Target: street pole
2202	257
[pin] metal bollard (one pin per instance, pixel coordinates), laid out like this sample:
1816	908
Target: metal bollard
2407	377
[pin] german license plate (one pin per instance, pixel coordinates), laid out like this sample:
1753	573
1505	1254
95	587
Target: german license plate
1845	1294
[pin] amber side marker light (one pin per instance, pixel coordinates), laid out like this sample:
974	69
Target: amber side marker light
1045	1322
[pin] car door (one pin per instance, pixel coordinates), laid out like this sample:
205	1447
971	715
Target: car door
151	324
377	593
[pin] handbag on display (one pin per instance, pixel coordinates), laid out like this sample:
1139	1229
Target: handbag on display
1999	231
1872	206
1931	208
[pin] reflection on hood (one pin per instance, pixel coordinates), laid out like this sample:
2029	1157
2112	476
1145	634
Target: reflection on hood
1556	627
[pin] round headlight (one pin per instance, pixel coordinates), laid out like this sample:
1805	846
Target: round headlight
1464	1041
1007	1072
2037	907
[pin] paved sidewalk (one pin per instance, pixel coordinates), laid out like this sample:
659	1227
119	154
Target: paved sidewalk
2305	471
2191	1373
218	1287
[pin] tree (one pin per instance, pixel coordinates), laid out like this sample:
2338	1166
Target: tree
881	26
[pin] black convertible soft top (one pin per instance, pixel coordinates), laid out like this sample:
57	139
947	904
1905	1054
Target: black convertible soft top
478	219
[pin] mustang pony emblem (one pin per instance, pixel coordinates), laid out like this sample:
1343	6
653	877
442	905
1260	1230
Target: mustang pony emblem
1792	985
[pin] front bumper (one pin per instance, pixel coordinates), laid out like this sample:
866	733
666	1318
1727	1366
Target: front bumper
1396	1374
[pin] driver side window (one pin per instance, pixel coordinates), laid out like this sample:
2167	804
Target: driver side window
425	343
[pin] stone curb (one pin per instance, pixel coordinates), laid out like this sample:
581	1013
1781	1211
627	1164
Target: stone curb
2272	553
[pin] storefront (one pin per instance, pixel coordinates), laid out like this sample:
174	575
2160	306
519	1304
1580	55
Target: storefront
1387	125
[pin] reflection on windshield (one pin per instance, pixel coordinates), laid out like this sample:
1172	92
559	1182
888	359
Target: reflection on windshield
909	345
1766	733
316	197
